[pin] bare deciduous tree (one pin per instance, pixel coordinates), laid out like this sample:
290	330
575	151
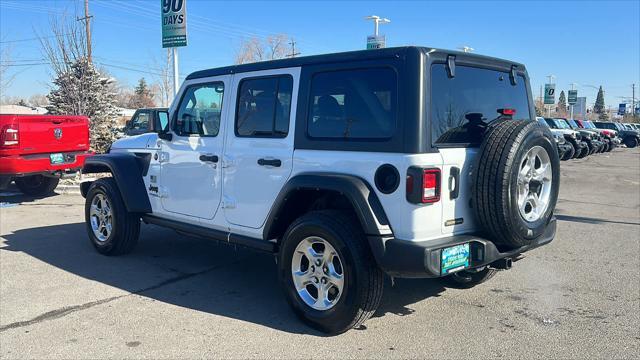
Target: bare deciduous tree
256	49
5	78
163	89
66	46
38	100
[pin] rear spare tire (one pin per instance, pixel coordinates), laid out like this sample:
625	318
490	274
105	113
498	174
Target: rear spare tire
37	185
516	184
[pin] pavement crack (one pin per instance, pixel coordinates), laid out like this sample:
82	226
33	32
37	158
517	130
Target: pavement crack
64	311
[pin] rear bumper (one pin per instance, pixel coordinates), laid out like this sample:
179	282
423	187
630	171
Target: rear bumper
23	165
411	259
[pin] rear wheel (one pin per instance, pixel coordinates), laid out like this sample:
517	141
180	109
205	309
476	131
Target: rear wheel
328	273
37	185
466	279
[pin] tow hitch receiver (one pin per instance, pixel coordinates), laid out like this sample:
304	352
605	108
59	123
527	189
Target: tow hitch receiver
502	264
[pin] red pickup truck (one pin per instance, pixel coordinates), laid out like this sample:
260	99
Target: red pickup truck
37	150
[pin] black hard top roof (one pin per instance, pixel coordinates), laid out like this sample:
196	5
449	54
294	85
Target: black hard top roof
360	55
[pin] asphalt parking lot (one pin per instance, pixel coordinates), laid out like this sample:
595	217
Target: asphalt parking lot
183	297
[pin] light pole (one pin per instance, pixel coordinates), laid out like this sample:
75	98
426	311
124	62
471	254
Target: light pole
377	20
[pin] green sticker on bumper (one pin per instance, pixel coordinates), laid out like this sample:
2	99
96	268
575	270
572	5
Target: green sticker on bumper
454	258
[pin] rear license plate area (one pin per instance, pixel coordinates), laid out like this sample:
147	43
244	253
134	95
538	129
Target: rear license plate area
454	258
56	158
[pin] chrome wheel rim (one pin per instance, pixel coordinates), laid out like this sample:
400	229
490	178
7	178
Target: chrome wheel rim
101	217
534	184
317	273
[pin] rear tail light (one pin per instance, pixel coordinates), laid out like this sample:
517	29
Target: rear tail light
9	135
423	185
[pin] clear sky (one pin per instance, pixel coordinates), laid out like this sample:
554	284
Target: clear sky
589	43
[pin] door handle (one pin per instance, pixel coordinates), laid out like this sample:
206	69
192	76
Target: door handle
454	183
209	158
270	162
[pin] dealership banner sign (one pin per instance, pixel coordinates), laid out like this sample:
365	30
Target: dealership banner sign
573	97
174	23
549	94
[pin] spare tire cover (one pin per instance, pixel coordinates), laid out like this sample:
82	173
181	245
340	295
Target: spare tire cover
516	182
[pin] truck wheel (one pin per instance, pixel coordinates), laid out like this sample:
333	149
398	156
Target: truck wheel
585	151
37	185
631	141
569	154
328	273
517	181
111	228
466	279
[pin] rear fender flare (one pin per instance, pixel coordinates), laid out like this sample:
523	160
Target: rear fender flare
361	196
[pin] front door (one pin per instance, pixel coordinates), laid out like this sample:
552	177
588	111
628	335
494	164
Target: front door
258	155
190	171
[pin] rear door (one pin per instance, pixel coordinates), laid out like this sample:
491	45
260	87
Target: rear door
258	154
462	107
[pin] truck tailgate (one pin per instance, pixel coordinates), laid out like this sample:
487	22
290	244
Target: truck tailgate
52	133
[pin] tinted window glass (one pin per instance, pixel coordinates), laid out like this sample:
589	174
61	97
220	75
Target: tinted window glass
200	110
353	104
141	122
463	106
264	106
163	117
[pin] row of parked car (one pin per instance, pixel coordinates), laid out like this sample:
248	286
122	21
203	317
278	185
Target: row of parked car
580	138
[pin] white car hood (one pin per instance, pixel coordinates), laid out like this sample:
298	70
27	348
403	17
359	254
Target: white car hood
143	141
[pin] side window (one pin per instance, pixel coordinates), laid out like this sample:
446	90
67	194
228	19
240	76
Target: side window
357	104
141	121
463	106
163	119
200	110
264	107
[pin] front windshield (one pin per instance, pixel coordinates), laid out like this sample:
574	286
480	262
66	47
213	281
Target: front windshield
588	124
561	124
572	124
619	126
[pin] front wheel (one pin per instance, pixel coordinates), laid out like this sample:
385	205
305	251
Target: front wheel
328	273
111	228
631	142
37	185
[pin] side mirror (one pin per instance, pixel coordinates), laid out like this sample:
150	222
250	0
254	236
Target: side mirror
127	124
165	135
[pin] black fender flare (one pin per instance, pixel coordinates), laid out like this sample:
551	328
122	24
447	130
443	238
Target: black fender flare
128	171
362	197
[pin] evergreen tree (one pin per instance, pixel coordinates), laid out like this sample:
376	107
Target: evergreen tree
142	96
598	108
22	103
81	90
562	103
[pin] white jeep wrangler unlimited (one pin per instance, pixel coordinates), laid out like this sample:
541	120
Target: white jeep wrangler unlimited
411	162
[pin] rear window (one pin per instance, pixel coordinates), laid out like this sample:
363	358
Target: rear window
463	106
353	104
